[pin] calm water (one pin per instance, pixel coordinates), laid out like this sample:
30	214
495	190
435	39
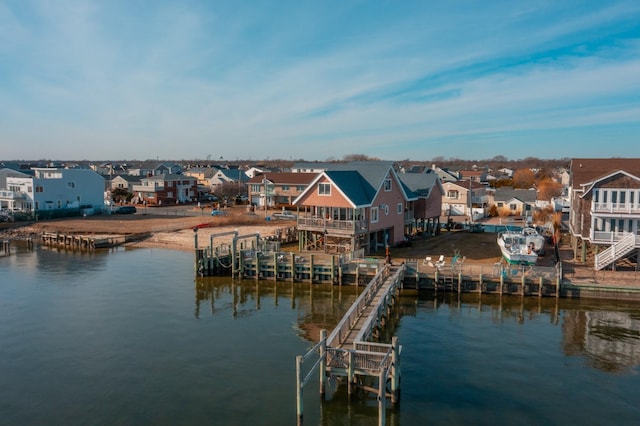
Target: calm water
129	337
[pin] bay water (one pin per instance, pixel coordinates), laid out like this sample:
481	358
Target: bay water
132	337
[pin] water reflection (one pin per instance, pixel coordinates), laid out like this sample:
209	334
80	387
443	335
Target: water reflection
318	305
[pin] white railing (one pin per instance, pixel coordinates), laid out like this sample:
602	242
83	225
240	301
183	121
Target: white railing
627	208
616	251
343	225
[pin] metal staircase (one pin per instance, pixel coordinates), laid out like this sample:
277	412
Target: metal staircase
618	250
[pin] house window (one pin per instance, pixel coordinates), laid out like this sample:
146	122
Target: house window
300	188
285	187
385	208
374	214
324	189
513	207
71	184
255	188
453	195
387	185
39	188
399	209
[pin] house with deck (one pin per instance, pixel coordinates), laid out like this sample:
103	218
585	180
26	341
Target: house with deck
515	201
604	214
278	189
354	206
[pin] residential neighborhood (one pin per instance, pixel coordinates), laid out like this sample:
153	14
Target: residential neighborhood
350	205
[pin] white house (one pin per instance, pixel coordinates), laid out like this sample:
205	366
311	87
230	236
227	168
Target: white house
57	191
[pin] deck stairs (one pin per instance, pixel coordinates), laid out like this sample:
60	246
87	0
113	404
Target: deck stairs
616	251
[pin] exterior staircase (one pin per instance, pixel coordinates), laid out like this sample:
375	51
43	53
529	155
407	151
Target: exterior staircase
618	250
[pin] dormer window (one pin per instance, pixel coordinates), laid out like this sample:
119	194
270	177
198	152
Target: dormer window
387	185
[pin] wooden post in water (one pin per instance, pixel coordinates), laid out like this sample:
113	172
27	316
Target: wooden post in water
480	284
350	371
323	362
299	385
382	397
523	283
275	266
540	287
395	365
311	268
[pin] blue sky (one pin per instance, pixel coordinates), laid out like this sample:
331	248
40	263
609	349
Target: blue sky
286	79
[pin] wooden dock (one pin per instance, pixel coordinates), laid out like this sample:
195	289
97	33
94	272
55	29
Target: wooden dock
87	242
348	352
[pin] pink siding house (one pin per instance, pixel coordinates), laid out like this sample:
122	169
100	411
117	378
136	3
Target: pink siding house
360	205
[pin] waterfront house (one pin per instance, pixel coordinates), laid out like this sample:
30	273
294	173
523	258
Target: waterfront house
165	189
353	206
604	216
55	192
278	189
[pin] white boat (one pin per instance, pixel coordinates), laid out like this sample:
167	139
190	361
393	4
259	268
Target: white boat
515	248
533	237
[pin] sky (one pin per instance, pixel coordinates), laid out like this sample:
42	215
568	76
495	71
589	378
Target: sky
318	80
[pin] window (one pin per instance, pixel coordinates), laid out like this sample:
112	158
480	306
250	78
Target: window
513	207
399	210
374	214
385	208
71	184
255	188
453	194
285	187
387	185
39	188
324	189
300	188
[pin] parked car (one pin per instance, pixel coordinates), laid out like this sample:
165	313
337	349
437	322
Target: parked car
216	212
284	215
125	210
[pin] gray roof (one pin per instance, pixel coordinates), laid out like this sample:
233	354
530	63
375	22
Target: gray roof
419	184
508	193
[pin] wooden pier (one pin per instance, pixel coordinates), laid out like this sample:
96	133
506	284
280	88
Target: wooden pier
348	352
87	242
251	257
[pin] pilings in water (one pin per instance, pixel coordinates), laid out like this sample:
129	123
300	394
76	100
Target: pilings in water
85	242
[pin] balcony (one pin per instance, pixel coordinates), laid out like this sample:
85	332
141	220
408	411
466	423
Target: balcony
315	223
615	208
600	237
13	195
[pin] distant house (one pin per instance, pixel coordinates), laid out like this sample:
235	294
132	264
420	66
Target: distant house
460	198
165	189
55	192
229	176
520	202
278	189
604	216
125	182
353	206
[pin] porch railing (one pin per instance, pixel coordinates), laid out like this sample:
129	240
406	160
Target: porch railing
627	208
332	224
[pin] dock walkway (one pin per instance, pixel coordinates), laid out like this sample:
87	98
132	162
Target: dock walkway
348	352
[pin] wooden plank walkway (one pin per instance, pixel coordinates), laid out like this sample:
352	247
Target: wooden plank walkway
348	353
369	315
